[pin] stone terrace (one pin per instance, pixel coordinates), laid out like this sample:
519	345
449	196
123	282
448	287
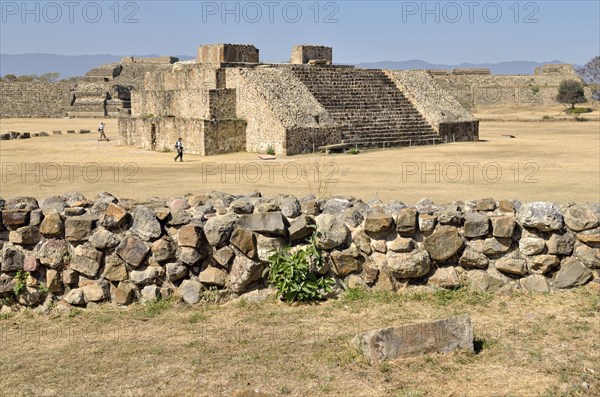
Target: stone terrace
369	107
291	108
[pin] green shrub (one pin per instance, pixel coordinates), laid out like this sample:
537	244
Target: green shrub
20	282
271	151
353	151
546	117
294	276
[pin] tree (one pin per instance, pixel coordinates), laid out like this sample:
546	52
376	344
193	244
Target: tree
570	91
27	78
590	72
10	78
49	77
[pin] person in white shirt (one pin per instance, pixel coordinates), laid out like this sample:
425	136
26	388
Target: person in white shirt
101	130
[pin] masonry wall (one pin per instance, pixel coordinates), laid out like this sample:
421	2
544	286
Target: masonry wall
276	105
444	112
302	54
481	89
181	92
77	250
35	99
138	132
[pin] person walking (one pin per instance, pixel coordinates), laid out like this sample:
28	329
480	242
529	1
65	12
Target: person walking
101	130
179	148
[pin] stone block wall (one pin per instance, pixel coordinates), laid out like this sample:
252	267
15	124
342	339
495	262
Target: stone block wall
445	113
227	53
224	136
161	133
181	91
472	88
78	251
103	91
276	104
308	140
199	136
35	99
302	54
155	60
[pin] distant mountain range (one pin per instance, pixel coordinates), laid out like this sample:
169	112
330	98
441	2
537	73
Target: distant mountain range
78	65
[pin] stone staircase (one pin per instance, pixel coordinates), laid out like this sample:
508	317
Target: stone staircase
373	112
97	95
89	100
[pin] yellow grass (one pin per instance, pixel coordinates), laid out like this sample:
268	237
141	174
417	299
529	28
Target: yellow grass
558	161
528	345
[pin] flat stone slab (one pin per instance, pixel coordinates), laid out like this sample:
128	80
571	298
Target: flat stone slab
57	132
266	157
334	147
440	336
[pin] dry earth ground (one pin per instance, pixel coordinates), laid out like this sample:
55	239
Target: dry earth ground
557	161
527	345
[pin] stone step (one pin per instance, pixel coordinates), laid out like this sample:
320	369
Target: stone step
394	143
373	112
379	137
86	114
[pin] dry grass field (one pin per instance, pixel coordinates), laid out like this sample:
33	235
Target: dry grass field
527	345
557	161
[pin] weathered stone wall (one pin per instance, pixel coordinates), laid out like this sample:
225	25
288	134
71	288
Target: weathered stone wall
308	140
181	91
80	251
103	91
473	88
161	133
199	136
302	54
445	114
276	105
35	99
227	53
155	60
224	136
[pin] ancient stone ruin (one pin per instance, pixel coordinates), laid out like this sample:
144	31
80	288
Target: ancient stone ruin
80	251
472	87
103	91
227	101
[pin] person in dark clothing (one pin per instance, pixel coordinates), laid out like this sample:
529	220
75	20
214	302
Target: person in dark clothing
179	148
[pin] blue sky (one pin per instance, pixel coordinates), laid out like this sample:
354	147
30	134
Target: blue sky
359	31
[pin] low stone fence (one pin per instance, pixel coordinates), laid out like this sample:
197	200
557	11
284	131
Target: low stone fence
77	250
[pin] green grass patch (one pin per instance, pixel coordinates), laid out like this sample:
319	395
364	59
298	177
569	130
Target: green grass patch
156	307
438	297
578	110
